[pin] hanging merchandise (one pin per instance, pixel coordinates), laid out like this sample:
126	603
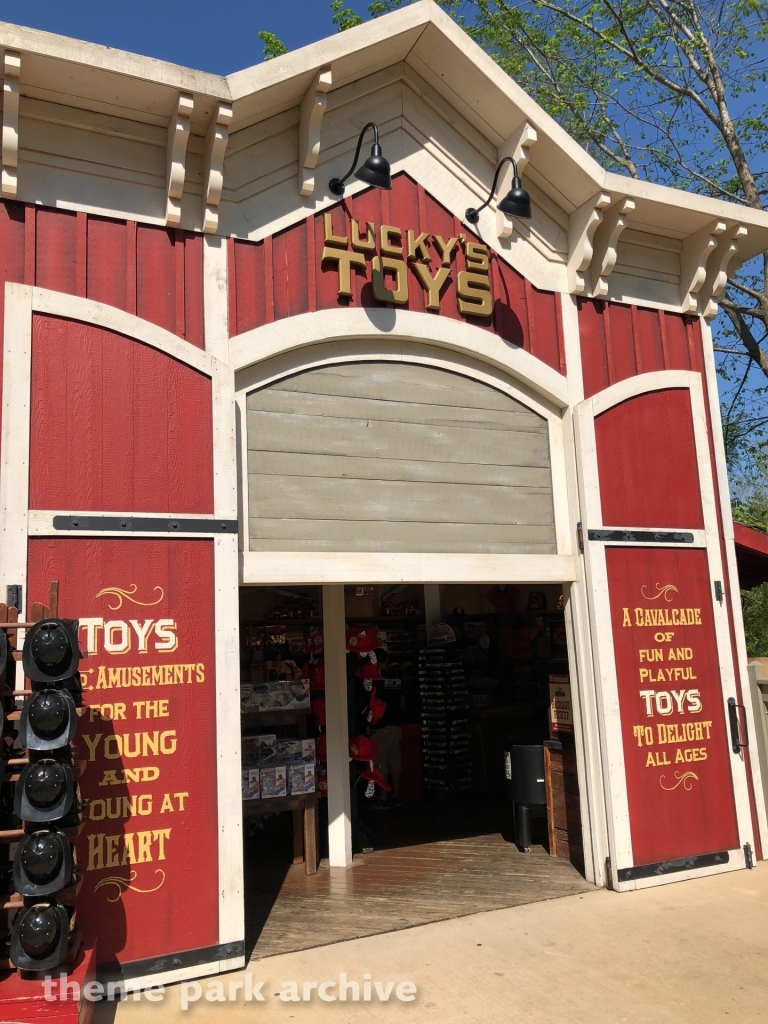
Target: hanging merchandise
46	799
370	670
363	748
362	639
375	775
376	709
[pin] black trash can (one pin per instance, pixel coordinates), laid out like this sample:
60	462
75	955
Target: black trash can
524	786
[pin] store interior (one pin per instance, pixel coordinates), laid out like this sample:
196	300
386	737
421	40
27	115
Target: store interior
441	682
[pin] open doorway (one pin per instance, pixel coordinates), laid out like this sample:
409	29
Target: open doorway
442	681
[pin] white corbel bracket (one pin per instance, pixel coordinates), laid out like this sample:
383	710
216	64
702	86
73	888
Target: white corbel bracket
216	140
604	245
10	147
178	137
518	145
697	248
312	110
584	222
718	266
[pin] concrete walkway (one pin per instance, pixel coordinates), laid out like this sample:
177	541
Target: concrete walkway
686	952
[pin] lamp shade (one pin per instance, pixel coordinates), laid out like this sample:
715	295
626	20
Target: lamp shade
517	202
375	171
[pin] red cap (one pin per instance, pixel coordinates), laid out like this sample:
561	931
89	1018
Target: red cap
376	708
362	639
363	748
369	671
374	774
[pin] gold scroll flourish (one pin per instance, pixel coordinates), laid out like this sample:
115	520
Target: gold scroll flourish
120	593
684	779
121	884
667	591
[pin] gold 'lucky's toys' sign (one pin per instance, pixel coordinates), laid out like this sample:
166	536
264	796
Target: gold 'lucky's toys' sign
392	251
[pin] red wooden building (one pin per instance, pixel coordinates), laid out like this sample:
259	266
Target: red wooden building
218	377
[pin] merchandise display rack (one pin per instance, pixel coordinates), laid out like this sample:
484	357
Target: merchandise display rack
10	624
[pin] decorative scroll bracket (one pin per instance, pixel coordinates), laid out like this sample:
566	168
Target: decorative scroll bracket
584	223
10	147
178	137
717	270
604	247
517	146
216	140
697	248
312	110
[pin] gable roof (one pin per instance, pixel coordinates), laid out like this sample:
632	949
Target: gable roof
462	80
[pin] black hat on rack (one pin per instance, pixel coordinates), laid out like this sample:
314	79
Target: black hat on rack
39	936
51	651
42	863
44	792
3	650
48	719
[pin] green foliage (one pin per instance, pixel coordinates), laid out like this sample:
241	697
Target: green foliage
749	493
273	47
754	605
344	17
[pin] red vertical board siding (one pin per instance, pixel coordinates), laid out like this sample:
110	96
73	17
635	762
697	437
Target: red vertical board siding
296	281
646	456
139	897
619	341
116	425
194	313
107	262
56	250
156	276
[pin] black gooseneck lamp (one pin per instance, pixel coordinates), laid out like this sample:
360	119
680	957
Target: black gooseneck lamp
375	170
516	203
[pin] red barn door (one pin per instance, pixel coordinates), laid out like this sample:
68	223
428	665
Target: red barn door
118	458
675	776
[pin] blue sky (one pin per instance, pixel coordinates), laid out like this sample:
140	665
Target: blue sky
218	37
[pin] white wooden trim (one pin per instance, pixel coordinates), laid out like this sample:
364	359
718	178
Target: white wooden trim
721	468
396	326
602	637
639	385
735	863
14	446
337	728
293	567
215	297
112	319
572	342
228	785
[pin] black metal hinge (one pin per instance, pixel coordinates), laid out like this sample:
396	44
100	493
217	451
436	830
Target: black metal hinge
143	524
640	536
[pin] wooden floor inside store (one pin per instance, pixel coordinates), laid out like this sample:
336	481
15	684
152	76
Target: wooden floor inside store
396	888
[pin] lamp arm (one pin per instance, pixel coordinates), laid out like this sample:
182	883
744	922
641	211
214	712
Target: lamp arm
359	147
492	193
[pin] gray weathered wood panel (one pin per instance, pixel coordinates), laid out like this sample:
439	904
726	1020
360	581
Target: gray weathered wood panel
396	457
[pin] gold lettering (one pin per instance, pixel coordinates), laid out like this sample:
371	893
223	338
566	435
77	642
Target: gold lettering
386	232
383	264
431	285
445	248
477	257
345	260
330	238
367	244
417	246
474	294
